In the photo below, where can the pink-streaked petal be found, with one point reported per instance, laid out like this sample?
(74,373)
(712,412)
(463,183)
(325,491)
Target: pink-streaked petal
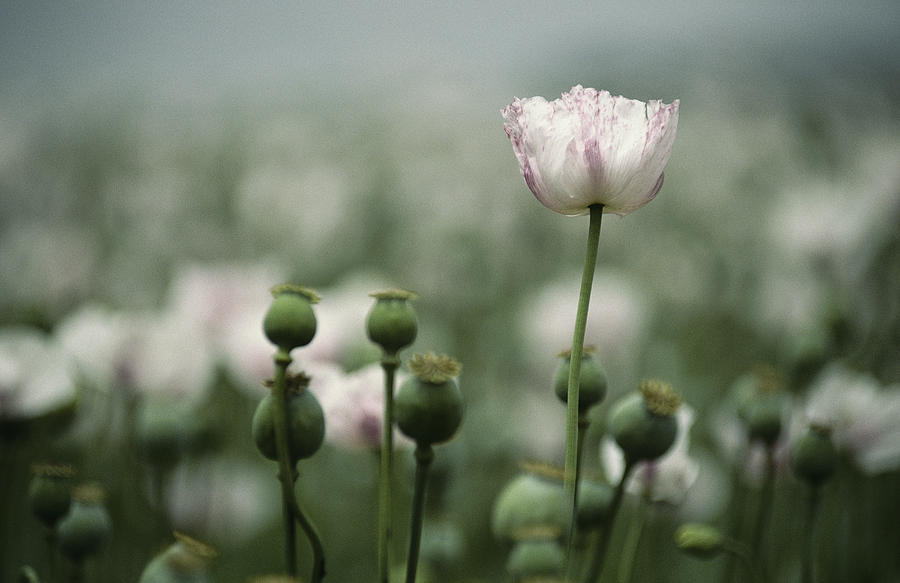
(589,147)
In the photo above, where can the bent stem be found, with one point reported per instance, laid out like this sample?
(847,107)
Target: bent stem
(389,363)
(597,558)
(286,475)
(584,298)
(424,456)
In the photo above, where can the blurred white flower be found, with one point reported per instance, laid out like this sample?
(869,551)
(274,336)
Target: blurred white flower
(353,404)
(666,479)
(616,324)
(97,341)
(228,302)
(589,147)
(33,376)
(862,414)
(227,500)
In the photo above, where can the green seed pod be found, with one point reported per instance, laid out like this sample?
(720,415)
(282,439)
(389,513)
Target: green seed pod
(392,321)
(699,540)
(87,526)
(644,424)
(290,321)
(162,431)
(764,418)
(529,503)
(50,492)
(536,557)
(185,561)
(594,502)
(306,422)
(813,455)
(592,385)
(429,406)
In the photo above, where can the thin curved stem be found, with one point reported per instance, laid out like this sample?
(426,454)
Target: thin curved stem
(389,363)
(291,510)
(424,456)
(597,558)
(584,298)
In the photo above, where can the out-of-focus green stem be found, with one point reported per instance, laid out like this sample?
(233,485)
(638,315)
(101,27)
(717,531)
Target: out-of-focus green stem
(809,552)
(740,550)
(764,509)
(389,363)
(598,558)
(584,298)
(632,540)
(424,456)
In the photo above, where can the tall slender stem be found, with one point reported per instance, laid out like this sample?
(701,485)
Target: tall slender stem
(318,568)
(597,558)
(424,456)
(808,575)
(389,363)
(584,298)
(285,471)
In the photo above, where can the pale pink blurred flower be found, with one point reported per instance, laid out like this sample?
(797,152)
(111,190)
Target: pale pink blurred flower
(616,325)
(589,147)
(353,404)
(667,479)
(98,342)
(225,499)
(33,377)
(862,414)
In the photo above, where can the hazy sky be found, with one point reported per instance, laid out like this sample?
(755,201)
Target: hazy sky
(179,46)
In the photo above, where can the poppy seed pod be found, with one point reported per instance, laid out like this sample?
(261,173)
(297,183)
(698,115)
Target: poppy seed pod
(290,321)
(813,455)
(306,422)
(429,406)
(87,526)
(185,561)
(764,418)
(392,322)
(644,424)
(700,540)
(529,503)
(592,383)
(50,492)
(594,504)
(536,557)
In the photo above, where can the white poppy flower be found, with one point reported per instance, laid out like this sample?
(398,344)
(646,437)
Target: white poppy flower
(589,148)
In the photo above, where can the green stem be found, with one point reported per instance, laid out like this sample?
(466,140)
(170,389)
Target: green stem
(584,298)
(285,471)
(764,509)
(740,551)
(389,363)
(424,456)
(597,558)
(583,424)
(318,568)
(808,575)
(632,540)
(736,517)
